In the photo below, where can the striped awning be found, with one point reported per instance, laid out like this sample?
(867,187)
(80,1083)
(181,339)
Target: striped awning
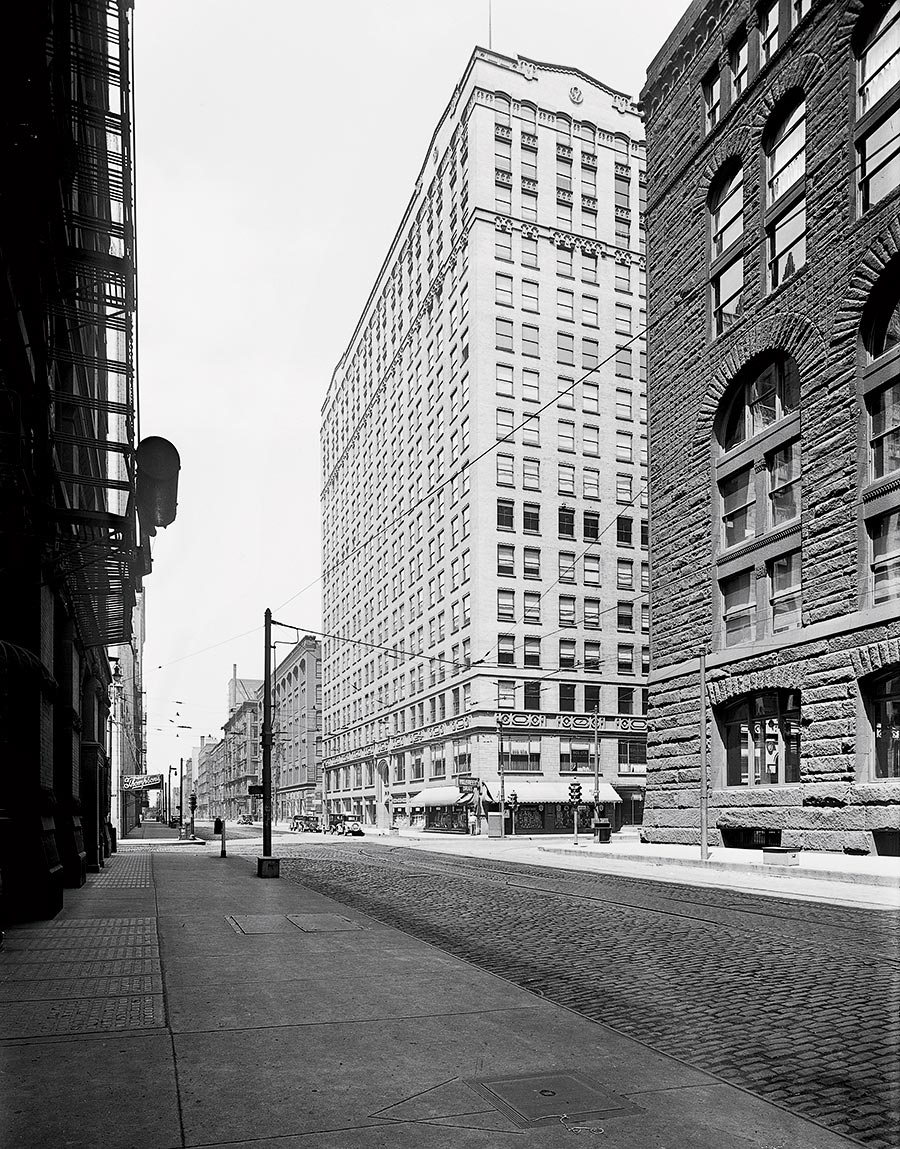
(558,791)
(439,796)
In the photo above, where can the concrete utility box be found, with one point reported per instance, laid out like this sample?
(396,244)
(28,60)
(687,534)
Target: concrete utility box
(268,867)
(780,856)
(495,825)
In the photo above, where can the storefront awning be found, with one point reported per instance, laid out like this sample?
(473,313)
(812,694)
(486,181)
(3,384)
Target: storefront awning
(439,796)
(558,791)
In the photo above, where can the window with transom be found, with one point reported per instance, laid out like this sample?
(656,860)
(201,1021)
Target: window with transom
(877,128)
(761,737)
(726,256)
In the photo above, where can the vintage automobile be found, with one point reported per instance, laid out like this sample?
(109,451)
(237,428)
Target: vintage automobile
(344,824)
(304,824)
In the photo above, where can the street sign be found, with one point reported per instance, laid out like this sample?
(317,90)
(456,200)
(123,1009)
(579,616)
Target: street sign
(254,791)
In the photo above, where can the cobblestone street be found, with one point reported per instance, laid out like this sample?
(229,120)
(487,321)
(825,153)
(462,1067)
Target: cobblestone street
(795,1002)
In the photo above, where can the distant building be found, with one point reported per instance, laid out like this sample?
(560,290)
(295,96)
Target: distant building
(495,574)
(242,760)
(297,728)
(774,238)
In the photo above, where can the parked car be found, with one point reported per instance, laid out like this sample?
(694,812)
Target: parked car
(304,823)
(344,824)
(244,820)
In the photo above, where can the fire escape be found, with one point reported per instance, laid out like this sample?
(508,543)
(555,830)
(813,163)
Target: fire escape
(96,550)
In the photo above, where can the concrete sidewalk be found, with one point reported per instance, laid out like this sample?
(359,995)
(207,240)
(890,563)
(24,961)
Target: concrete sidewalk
(179,1000)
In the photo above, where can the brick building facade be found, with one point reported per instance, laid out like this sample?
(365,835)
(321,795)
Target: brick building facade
(774,355)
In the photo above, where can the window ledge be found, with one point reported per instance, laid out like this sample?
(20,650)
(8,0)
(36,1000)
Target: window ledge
(884,486)
(770,538)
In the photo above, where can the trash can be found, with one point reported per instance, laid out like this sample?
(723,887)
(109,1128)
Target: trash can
(495,824)
(217,826)
(602,830)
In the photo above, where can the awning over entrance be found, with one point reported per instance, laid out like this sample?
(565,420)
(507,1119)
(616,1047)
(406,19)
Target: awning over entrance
(439,796)
(558,791)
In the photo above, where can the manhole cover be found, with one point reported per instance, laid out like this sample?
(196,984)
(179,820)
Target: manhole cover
(543,1098)
(322,923)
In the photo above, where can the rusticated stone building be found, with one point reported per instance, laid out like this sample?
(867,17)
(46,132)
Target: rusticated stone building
(773,137)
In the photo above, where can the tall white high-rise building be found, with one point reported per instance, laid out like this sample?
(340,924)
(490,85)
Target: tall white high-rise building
(484,451)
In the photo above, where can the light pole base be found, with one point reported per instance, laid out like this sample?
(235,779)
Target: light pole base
(268,867)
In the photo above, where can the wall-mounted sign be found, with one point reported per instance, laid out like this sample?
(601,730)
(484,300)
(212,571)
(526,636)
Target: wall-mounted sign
(142,781)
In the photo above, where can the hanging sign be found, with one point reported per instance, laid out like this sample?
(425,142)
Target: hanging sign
(142,781)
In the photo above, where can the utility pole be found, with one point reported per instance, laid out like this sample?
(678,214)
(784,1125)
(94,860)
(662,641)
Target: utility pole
(502,779)
(267,739)
(597,764)
(704,781)
(181,797)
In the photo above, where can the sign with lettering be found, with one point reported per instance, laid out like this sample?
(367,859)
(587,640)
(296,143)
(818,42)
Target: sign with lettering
(142,781)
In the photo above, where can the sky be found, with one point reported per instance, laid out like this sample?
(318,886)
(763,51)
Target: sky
(276,146)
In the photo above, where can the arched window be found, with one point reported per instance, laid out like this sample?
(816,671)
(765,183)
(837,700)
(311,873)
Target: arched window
(877,131)
(501,109)
(784,143)
(726,257)
(881,393)
(758,485)
(761,734)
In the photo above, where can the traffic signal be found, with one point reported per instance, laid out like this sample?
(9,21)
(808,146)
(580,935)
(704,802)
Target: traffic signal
(574,793)
(193,802)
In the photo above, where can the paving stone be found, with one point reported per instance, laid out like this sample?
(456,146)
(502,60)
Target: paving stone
(769,994)
(88,1015)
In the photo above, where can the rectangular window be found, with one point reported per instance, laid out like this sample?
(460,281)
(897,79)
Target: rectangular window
(623,319)
(531,431)
(503,289)
(590,352)
(624,531)
(566,653)
(566,566)
(565,473)
(506,605)
(531,385)
(565,388)
(787,244)
(567,696)
(727,288)
(738,62)
(504,379)
(624,489)
(623,234)
(626,700)
(885,533)
(566,521)
(532,612)
(625,615)
(592,612)
(565,436)
(565,304)
(505,515)
(768,31)
(590,311)
(591,524)
(503,245)
(591,440)
(632,756)
(739,607)
(530,342)
(529,295)
(588,267)
(531,474)
(505,423)
(884,430)
(505,476)
(590,398)
(529,251)
(624,363)
(566,610)
(712,99)
(531,518)
(531,562)
(785,598)
(506,560)
(565,348)
(506,650)
(504,330)
(574,753)
(738,507)
(625,658)
(529,205)
(783,467)
(532,695)
(592,656)
(625,574)
(591,564)
(506,694)
(590,481)
(531,655)
(624,447)
(563,261)
(624,404)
